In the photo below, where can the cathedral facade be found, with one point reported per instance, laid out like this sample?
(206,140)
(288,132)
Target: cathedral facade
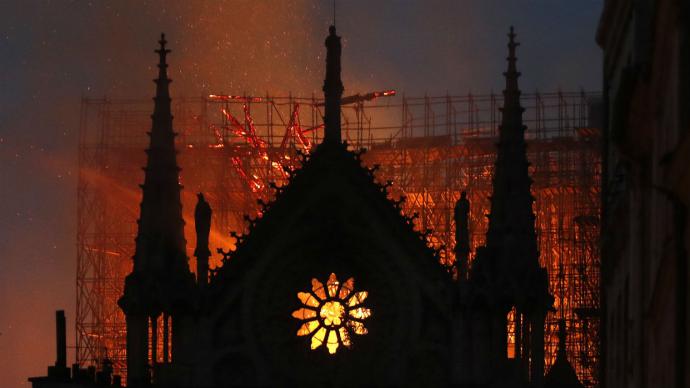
(332,285)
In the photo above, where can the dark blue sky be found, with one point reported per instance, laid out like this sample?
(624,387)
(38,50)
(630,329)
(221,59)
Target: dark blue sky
(54,52)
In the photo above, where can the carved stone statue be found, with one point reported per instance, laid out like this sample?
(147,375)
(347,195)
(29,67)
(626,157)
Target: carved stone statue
(202,223)
(462,240)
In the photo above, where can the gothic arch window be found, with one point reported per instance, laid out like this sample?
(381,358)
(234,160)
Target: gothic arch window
(331,314)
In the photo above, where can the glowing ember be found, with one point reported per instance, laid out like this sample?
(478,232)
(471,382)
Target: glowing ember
(225,97)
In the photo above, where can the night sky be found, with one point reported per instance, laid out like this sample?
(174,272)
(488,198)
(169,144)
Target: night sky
(54,52)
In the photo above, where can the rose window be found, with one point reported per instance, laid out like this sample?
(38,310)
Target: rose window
(330,315)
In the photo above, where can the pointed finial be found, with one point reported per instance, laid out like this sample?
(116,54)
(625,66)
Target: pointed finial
(332,88)
(162,81)
(512,92)
(162,51)
(512,45)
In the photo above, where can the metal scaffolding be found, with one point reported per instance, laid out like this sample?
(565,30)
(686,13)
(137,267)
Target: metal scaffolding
(430,148)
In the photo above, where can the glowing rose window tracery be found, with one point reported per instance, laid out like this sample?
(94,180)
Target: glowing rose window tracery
(331,314)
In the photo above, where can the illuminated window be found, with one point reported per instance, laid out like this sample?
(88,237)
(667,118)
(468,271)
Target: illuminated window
(331,314)
(512,332)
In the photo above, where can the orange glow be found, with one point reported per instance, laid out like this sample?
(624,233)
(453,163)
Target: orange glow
(234,157)
(331,313)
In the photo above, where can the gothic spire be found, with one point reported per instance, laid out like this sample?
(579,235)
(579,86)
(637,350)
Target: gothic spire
(161,242)
(332,88)
(511,223)
(511,240)
(160,282)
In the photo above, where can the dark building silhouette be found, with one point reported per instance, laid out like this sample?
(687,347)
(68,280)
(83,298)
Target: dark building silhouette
(161,284)
(462,236)
(645,194)
(330,225)
(60,376)
(506,275)
(332,285)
